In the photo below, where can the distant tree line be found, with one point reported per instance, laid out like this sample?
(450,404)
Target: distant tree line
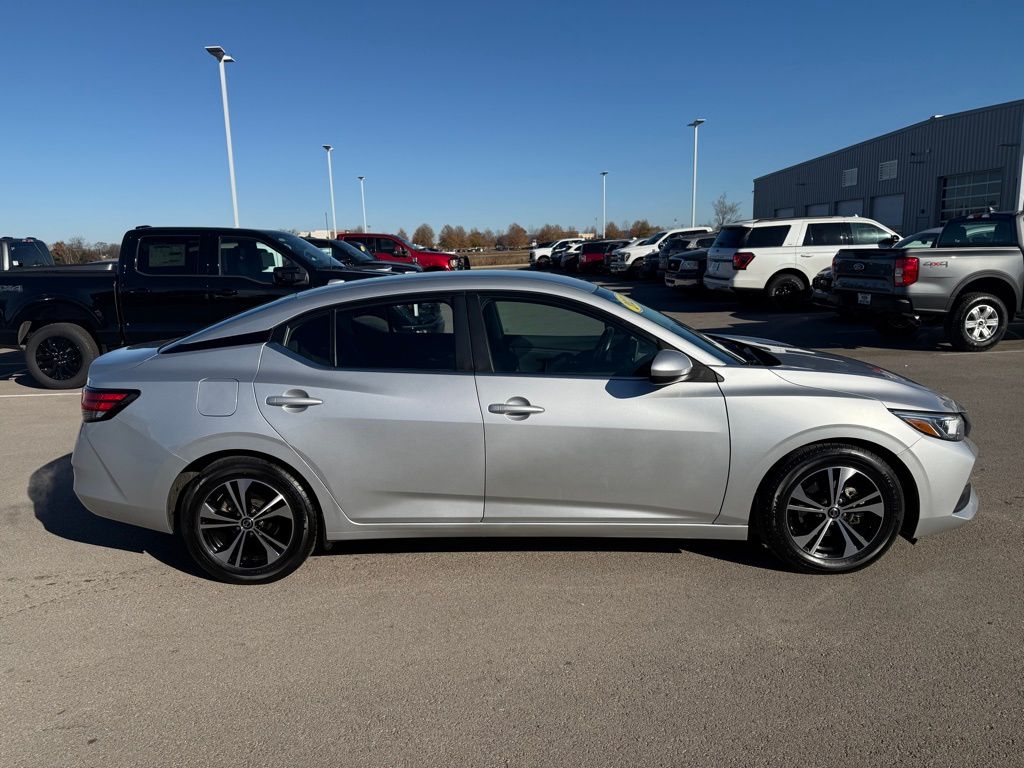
(457,237)
(75,250)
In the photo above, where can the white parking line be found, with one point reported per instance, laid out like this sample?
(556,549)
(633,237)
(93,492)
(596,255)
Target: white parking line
(77,393)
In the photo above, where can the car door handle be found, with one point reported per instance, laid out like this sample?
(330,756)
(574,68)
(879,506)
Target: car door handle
(293,401)
(225,292)
(515,408)
(134,291)
(806,255)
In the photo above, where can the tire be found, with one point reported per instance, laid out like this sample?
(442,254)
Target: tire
(787,291)
(977,322)
(59,355)
(797,520)
(896,326)
(237,531)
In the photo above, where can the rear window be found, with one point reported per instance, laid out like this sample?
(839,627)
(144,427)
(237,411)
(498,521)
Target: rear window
(767,237)
(594,247)
(29,253)
(731,237)
(983,233)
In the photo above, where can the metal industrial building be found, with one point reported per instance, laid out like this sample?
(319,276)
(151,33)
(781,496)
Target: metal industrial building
(911,179)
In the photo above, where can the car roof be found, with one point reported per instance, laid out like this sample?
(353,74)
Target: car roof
(267,316)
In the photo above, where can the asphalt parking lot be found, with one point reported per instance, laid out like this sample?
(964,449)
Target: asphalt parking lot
(115,651)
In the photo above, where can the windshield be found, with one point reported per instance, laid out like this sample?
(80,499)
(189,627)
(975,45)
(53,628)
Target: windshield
(308,251)
(712,347)
(653,239)
(346,252)
(29,253)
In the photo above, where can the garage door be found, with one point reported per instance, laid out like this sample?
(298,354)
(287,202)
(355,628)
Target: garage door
(888,209)
(785,213)
(850,208)
(819,209)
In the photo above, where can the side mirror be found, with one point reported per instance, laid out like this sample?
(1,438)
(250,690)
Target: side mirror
(290,275)
(891,240)
(670,366)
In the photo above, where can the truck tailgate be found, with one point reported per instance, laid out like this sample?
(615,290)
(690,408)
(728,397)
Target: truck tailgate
(868,270)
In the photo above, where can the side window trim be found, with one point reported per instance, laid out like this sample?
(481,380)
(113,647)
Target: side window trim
(481,349)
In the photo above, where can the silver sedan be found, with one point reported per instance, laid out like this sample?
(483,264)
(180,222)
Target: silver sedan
(508,404)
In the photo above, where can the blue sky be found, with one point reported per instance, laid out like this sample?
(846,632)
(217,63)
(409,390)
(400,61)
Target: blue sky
(469,113)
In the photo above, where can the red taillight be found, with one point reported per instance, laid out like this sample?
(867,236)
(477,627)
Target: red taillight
(102,404)
(906,271)
(741,260)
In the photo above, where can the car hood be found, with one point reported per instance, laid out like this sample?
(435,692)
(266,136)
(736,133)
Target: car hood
(821,370)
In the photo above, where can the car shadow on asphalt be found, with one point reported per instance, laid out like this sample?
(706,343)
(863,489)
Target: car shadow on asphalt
(51,491)
(53,498)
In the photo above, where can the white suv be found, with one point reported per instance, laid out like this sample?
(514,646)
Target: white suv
(631,257)
(780,257)
(540,255)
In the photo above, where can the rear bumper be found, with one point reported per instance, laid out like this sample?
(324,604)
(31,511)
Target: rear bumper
(880,303)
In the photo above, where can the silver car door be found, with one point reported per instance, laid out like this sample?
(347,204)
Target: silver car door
(574,429)
(380,401)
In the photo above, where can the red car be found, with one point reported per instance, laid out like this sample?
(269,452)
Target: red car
(593,252)
(394,248)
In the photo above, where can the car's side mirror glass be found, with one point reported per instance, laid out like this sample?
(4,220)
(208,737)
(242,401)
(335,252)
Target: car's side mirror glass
(670,366)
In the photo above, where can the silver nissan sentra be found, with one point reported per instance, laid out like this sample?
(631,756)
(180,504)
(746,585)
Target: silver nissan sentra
(508,404)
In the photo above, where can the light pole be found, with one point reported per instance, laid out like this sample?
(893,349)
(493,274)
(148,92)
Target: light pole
(330,183)
(222,58)
(693,202)
(604,203)
(362,196)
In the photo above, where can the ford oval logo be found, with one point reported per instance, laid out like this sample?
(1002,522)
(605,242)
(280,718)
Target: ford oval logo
(858,267)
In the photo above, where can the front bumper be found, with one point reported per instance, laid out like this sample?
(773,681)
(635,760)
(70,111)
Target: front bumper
(942,473)
(683,279)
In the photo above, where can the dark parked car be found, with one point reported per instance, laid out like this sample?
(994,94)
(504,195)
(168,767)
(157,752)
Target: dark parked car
(169,282)
(23,253)
(686,269)
(357,258)
(656,264)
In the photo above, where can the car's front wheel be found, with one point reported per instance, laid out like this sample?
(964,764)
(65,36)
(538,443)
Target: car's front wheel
(830,508)
(247,521)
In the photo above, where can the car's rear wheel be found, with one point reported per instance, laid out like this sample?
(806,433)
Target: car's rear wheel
(977,323)
(787,291)
(247,521)
(58,355)
(830,508)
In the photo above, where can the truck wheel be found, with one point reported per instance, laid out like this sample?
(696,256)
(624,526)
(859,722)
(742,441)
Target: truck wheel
(787,291)
(896,326)
(58,355)
(977,322)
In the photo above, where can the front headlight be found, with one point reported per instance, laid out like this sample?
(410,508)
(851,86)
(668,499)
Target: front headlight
(945,426)
(453,262)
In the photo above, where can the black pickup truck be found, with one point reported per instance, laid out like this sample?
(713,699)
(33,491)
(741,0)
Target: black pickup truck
(168,282)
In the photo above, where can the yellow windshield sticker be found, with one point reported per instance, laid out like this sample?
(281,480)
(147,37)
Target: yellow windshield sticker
(628,303)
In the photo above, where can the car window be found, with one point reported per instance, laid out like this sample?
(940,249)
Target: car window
(767,237)
(248,257)
(868,234)
(29,253)
(310,338)
(987,233)
(732,237)
(707,242)
(535,338)
(385,245)
(406,336)
(826,233)
(172,255)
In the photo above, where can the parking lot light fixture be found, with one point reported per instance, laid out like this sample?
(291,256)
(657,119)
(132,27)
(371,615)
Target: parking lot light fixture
(604,203)
(362,196)
(693,199)
(330,182)
(223,58)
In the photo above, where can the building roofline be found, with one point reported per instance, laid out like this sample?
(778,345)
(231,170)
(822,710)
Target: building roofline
(932,119)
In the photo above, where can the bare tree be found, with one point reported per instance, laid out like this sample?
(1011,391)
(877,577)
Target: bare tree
(723,212)
(402,234)
(424,235)
(516,237)
(642,228)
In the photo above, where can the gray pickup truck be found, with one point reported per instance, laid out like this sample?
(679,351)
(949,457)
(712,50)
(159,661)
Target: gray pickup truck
(972,280)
